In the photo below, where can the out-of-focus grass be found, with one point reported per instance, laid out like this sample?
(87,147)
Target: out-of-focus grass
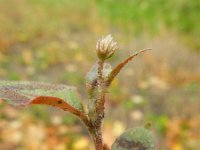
(54,41)
(154,16)
(31,18)
(182,15)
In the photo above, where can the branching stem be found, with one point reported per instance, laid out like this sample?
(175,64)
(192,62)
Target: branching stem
(98,87)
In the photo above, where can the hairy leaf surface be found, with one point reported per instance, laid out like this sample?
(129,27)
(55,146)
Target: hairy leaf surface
(26,93)
(138,138)
(93,73)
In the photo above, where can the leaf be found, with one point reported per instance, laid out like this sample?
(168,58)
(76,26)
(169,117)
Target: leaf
(26,93)
(135,138)
(121,65)
(93,73)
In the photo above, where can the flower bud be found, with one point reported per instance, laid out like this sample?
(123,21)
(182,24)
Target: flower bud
(106,47)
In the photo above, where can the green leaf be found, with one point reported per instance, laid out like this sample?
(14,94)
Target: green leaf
(26,93)
(135,138)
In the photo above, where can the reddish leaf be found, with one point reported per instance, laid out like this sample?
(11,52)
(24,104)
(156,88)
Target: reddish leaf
(121,65)
(55,102)
(26,93)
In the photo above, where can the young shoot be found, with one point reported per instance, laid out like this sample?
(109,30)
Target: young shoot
(98,80)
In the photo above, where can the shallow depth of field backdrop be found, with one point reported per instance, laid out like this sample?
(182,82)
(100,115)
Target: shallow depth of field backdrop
(54,41)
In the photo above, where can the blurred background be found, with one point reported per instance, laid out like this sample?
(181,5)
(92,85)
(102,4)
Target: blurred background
(54,41)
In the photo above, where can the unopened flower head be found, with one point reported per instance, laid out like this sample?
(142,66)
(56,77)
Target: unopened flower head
(106,47)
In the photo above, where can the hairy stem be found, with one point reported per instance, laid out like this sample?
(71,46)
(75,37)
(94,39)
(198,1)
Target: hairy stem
(95,117)
(100,72)
(101,91)
(99,108)
(96,130)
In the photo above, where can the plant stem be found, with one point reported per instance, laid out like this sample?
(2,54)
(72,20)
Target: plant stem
(98,139)
(101,92)
(94,122)
(100,72)
(96,130)
(99,108)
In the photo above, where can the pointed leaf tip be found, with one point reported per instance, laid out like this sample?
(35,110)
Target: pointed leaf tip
(121,65)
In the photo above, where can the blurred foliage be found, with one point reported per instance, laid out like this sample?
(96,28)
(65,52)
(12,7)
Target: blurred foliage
(54,41)
(180,14)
